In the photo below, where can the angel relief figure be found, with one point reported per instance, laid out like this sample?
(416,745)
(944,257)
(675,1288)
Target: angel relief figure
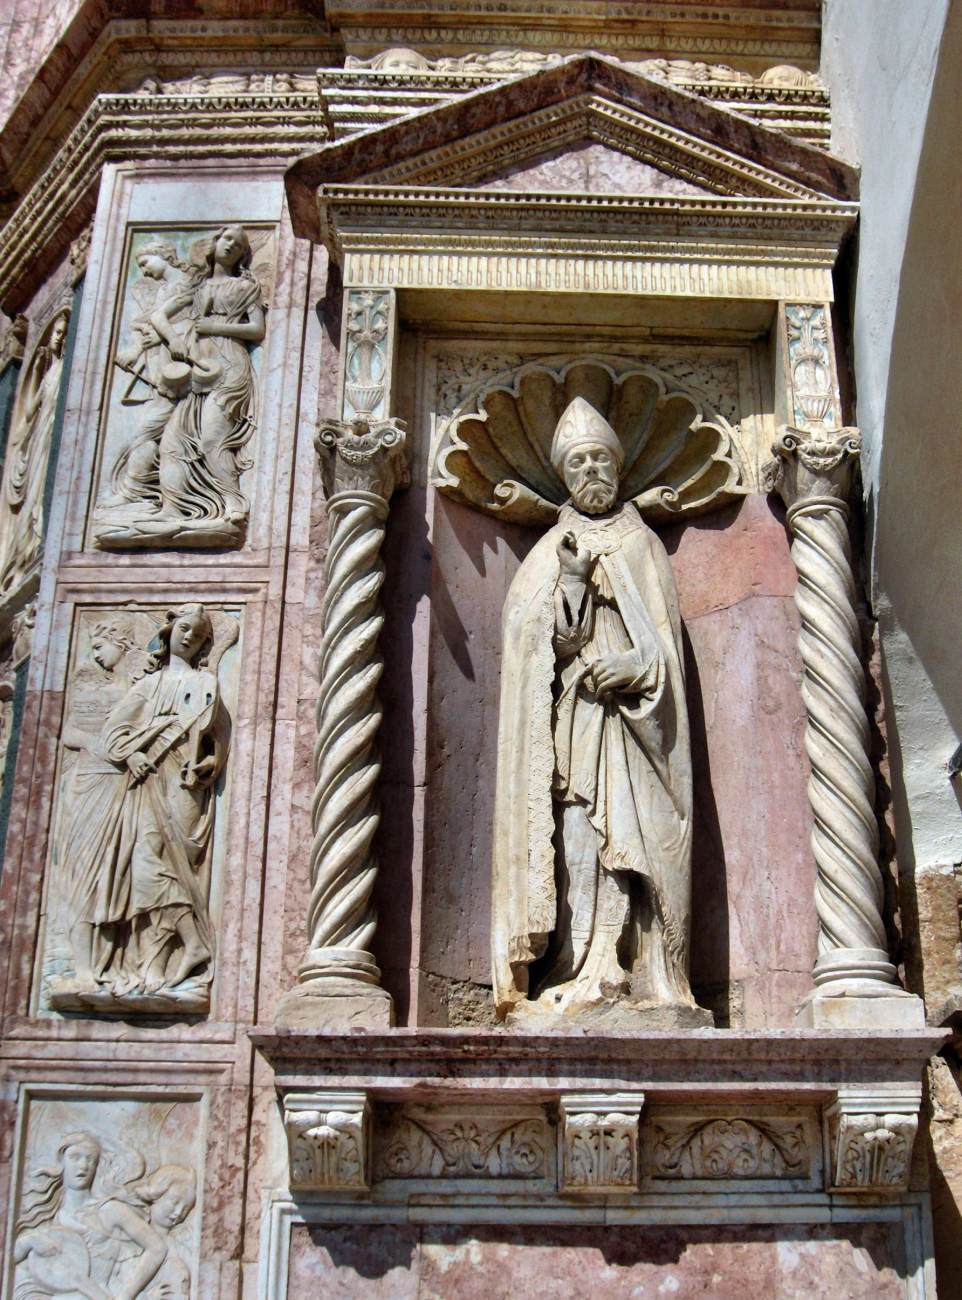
(92,1225)
(177,480)
(28,453)
(135,837)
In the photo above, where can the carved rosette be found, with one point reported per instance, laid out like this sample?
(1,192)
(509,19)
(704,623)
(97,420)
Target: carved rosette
(328,1138)
(598,1142)
(362,463)
(870,1141)
(813,473)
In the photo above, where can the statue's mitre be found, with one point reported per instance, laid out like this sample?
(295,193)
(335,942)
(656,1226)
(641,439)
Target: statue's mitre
(582,423)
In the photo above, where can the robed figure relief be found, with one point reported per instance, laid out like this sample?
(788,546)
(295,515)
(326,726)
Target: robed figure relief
(135,836)
(189,376)
(28,455)
(592,870)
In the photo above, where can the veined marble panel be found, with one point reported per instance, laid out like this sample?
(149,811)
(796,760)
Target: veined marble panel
(132,892)
(106,1195)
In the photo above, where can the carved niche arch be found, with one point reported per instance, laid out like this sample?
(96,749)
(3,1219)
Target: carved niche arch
(681,455)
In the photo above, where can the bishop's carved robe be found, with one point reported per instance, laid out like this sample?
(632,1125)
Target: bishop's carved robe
(625,757)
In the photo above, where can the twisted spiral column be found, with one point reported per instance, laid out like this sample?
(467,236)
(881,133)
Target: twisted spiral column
(813,473)
(339,982)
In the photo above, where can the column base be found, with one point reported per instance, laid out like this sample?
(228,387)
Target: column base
(307,1006)
(857,988)
(338,988)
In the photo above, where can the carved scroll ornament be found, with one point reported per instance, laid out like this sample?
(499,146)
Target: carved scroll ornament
(680,456)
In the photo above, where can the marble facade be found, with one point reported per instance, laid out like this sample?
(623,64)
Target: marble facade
(280,425)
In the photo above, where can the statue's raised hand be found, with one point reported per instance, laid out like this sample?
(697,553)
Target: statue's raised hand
(576,561)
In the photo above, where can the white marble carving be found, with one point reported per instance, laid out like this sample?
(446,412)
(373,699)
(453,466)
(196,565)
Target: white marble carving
(679,455)
(329,1141)
(813,474)
(28,454)
(147,737)
(368,343)
(104,1210)
(339,981)
(814,397)
(592,842)
(735,1148)
(870,1139)
(184,404)
(598,1142)
(439,1142)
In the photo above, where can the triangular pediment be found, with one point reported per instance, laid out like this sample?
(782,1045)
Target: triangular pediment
(589,167)
(482,138)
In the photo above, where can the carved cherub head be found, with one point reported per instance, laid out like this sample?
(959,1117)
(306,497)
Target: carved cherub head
(171,1192)
(588,455)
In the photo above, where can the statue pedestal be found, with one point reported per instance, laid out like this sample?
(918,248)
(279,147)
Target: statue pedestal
(319,1006)
(604,1017)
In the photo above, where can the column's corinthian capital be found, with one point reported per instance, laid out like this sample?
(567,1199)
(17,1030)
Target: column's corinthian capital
(813,469)
(360,455)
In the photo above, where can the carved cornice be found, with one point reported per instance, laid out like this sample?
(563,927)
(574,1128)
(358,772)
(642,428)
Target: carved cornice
(703,30)
(135,127)
(589,117)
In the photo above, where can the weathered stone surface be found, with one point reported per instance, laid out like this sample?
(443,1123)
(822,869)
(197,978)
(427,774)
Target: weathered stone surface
(859,1261)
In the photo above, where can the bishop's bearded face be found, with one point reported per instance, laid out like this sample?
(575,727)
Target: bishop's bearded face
(591,476)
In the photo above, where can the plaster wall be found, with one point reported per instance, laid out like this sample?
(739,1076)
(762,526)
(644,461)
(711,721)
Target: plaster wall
(896,88)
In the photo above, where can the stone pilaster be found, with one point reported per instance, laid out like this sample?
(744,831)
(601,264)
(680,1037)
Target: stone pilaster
(813,472)
(339,982)
(598,1142)
(869,1135)
(328,1138)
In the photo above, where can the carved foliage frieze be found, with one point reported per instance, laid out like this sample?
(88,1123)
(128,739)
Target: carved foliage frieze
(368,344)
(728,1148)
(182,413)
(106,1197)
(485,1142)
(139,818)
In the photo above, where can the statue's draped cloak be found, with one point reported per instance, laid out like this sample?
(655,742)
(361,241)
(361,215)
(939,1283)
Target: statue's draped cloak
(654,729)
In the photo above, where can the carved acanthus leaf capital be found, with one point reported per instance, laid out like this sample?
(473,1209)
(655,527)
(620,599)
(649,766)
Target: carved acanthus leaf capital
(598,1140)
(813,468)
(328,1138)
(870,1141)
(362,456)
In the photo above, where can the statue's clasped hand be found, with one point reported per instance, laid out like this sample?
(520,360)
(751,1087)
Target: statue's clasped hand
(576,561)
(140,766)
(201,773)
(614,672)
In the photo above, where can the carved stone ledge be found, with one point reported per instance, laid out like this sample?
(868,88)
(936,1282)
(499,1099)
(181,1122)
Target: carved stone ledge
(869,1138)
(328,1138)
(598,1142)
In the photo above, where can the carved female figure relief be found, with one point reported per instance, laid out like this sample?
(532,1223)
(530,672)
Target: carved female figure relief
(25,472)
(135,841)
(177,483)
(102,1235)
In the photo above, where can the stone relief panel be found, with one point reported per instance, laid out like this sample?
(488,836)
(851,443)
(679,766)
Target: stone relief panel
(725,1148)
(106,1199)
(28,454)
(435,1142)
(182,403)
(139,828)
